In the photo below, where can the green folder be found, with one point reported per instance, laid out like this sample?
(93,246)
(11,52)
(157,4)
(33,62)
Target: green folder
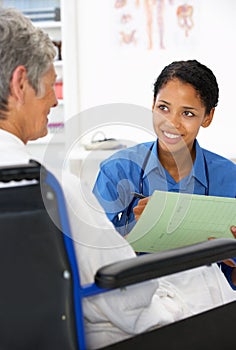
(172,220)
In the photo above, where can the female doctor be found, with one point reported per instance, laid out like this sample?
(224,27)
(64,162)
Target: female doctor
(185,96)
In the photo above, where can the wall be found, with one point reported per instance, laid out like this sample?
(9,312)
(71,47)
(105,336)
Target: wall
(112,72)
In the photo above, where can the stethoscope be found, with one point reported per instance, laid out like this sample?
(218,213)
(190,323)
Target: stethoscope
(141,180)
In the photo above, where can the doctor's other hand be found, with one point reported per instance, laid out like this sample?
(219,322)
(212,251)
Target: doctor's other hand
(231,262)
(233,274)
(141,206)
(233,230)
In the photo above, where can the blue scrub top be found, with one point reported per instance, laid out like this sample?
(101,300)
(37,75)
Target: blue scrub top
(121,174)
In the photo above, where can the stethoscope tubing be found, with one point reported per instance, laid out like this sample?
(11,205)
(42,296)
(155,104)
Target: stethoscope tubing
(141,178)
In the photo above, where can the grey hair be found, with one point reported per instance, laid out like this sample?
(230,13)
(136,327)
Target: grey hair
(22,44)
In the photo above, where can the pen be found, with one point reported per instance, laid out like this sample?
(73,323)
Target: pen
(138,195)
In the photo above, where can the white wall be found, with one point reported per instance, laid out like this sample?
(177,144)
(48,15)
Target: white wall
(114,73)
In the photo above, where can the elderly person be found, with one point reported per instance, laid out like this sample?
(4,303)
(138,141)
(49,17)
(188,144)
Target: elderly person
(27,78)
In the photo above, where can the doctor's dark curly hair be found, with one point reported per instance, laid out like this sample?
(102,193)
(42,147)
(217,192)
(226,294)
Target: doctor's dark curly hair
(194,73)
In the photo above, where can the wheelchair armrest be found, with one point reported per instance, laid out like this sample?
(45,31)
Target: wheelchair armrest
(18,172)
(148,266)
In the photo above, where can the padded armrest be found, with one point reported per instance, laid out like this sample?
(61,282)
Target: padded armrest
(30,171)
(148,266)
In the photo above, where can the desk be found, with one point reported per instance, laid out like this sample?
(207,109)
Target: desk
(85,164)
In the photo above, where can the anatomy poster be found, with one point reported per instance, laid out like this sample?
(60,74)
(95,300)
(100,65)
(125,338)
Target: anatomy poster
(124,45)
(154,24)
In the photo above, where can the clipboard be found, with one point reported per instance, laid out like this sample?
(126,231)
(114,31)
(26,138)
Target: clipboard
(171,220)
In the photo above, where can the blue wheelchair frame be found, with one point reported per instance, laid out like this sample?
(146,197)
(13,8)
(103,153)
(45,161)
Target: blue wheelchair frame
(80,291)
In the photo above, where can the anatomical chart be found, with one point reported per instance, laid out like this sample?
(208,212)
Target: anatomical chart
(147,21)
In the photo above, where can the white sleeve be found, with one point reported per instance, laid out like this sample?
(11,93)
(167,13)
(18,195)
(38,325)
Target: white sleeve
(121,313)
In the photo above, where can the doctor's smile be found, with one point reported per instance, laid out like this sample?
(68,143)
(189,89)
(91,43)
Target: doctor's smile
(171,137)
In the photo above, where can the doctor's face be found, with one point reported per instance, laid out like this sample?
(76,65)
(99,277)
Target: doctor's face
(178,114)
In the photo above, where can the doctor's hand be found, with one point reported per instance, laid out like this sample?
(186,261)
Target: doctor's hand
(231,262)
(233,230)
(141,206)
(233,274)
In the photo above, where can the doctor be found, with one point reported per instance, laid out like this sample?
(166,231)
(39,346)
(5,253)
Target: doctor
(27,78)
(185,96)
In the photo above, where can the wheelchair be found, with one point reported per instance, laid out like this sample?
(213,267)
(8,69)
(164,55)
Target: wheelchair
(41,297)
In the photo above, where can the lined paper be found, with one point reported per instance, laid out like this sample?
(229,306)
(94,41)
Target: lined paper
(172,220)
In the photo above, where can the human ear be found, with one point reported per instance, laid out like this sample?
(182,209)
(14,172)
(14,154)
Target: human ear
(18,81)
(208,118)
